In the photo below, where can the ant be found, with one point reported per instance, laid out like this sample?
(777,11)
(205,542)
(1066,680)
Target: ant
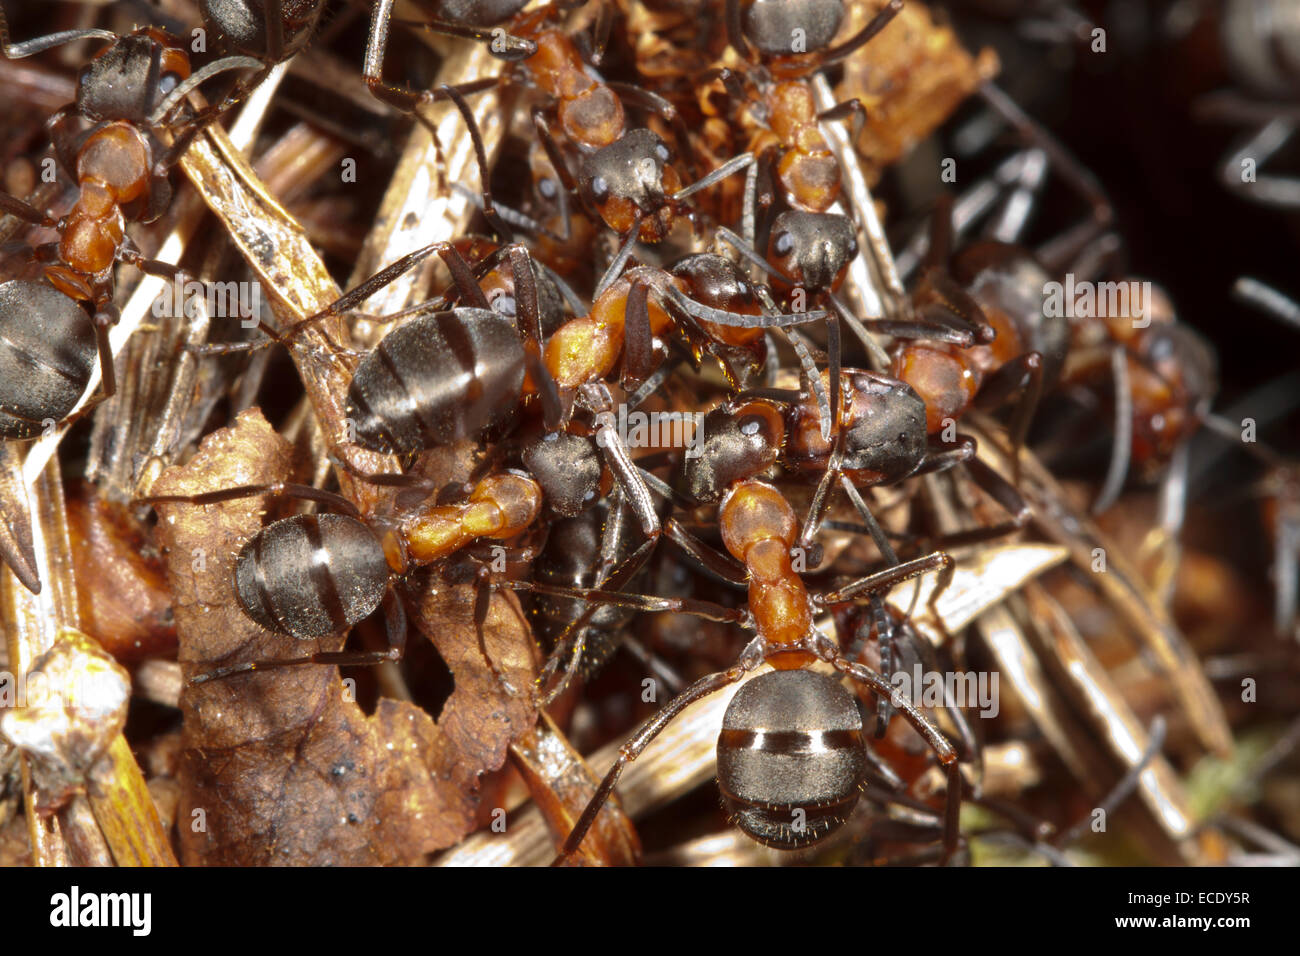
(794,718)
(130,94)
(996,289)
(312,576)
(626,177)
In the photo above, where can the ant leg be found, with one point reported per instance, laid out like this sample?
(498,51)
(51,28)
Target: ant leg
(106,316)
(939,251)
(713,562)
(620,462)
(937,327)
(480,155)
(13,206)
(884,580)
(1084,182)
(1122,440)
(1123,788)
(941,457)
(863,36)
(883,622)
(402,97)
(620,260)
(282,488)
(1022,377)
(638,341)
(729,168)
(735,35)
(463,277)
(387,479)
(847,109)
(273,14)
(1266,189)
(17,549)
(502,45)
(940,744)
(869,520)
(962,304)
(482,600)
(394,628)
(1007,497)
(641,739)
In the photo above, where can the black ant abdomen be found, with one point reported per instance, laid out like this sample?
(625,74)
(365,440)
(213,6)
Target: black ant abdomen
(311,576)
(791,757)
(437,379)
(49,356)
(241,25)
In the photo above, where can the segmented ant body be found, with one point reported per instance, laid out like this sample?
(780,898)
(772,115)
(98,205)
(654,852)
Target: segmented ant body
(312,576)
(625,175)
(129,96)
(791,756)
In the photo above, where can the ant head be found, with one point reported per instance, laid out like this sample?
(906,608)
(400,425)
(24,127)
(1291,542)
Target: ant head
(740,441)
(791,758)
(127,79)
(884,427)
(241,24)
(717,282)
(786,27)
(631,176)
(813,249)
(1007,282)
(569,469)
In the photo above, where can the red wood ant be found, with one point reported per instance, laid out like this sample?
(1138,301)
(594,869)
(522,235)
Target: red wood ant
(626,175)
(311,576)
(792,714)
(130,93)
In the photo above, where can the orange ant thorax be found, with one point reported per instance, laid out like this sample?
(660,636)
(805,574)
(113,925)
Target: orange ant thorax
(500,506)
(758,528)
(590,113)
(808,170)
(587,349)
(113,169)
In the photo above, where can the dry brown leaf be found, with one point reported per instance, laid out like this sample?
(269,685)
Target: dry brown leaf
(483,716)
(562,785)
(280,766)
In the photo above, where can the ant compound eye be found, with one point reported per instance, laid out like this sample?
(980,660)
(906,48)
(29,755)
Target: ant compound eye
(852,247)
(784,244)
(662,152)
(599,189)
